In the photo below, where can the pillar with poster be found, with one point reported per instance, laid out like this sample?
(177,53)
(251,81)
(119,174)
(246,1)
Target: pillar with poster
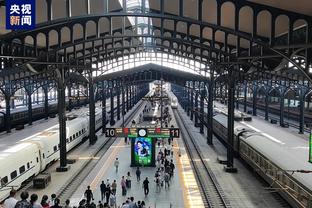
(143,152)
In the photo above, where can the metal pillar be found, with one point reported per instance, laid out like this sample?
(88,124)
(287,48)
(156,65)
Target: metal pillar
(282,109)
(196,109)
(202,111)
(161,103)
(118,102)
(237,98)
(46,103)
(103,108)
(231,99)
(92,136)
(188,99)
(7,114)
(123,105)
(254,102)
(62,121)
(69,97)
(210,109)
(127,98)
(30,118)
(192,101)
(112,121)
(266,110)
(245,97)
(301,115)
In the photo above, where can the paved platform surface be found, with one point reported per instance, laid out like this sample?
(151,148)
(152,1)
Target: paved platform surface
(243,189)
(183,191)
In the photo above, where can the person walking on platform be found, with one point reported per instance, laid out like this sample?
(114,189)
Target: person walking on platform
(112,201)
(51,202)
(56,203)
(67,204)
(11,201)
(138,174)
(89,195)
(145,186)
(103,189)
(44,201)
(108,193)
(172,167)
(123,186)
(167,178)
(114,187)
(116,164)
(128,180)
(33,201)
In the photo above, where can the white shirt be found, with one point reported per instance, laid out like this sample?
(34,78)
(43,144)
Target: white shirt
(10,202)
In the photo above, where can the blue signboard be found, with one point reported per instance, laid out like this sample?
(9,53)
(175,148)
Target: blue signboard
(20,14)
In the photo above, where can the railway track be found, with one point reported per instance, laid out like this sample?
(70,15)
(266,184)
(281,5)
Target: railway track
(68,189)
(213,195)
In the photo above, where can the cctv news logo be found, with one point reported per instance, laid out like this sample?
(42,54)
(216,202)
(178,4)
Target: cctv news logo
(20,14)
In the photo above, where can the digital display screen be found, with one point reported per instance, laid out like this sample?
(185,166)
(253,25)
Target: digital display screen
(142,151)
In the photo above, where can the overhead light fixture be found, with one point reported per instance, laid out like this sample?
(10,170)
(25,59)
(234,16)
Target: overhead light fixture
(31,68)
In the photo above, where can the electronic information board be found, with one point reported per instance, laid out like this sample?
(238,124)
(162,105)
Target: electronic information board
(143,132)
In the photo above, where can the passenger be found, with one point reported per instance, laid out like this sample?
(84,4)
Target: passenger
(157,181)
(139,204)
(107,182)
(67,204)
(44,201)
(23,203)
(56,203)
(143,204)
(167,178)
(128,180)
(138,174)
(172,167)
(33,201)
(89,195)
(108,193)
(114,187)
(116,164)
(112,201)
(103,189)
(106,205)
(145,186)
(100,205)
(92,205)
(11,201)
(123,186)
(132,203)
(51,202)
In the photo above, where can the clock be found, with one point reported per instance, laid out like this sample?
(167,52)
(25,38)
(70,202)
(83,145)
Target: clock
(142,132)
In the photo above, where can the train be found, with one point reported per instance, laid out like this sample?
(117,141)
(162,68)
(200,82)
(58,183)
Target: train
(174,103)
(272,161)
(34,154)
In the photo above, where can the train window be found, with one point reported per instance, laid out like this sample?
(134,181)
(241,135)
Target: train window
(22,169)
(67,140)
(55,148)
(76,134)
(13,174)
(28,166)
(37,159)
(43,155)
(71,138)
(4,180)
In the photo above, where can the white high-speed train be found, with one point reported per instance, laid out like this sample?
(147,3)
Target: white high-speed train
(32,155)
(273,161)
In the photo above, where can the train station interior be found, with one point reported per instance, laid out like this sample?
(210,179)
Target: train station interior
(155,103)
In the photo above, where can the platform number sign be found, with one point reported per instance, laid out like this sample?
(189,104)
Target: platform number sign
(174,132)
(20,14)
(110,132)
(310,147)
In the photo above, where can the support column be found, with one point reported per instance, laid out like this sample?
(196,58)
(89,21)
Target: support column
(301,114)
(127,98)
(188,99)
(266,110)
(196,109)
(202,111)
(130,97)
(210,109)
(46,102)
(245,97)
(30,118)
(69,98)
(118,101)
(254,101)
(123,105)
(237,98)
(92,136)
(62,121)
(112,121)
(103,108)
(282,109)
(7,113)
(192,101)
(78,95)
(231,99)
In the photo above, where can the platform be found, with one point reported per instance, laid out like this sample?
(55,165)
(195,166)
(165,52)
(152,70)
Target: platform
(183,190)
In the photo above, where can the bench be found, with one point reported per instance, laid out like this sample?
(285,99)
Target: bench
(19,127)
(273,121)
